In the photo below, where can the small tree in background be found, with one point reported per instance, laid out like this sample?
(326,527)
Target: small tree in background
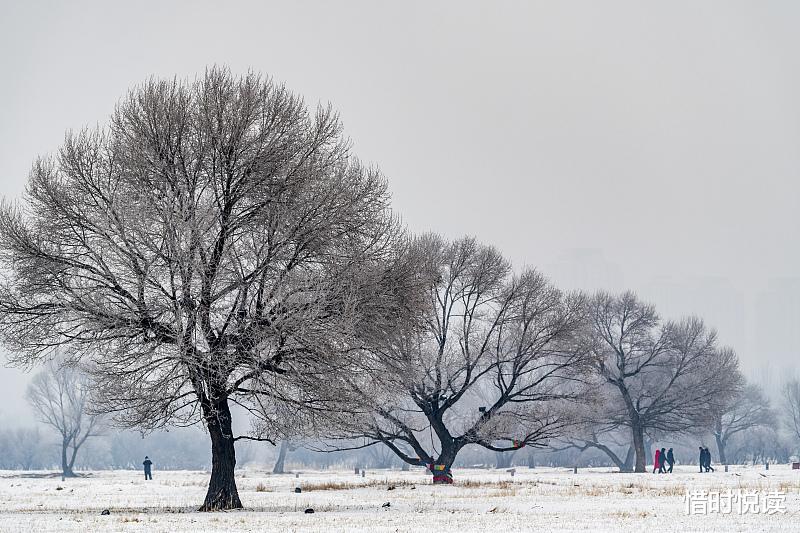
(594,433)
(747,409)
(24,448)
(59,395)
(791,408)
(280,461)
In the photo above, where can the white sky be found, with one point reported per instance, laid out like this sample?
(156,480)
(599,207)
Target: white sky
(643,145)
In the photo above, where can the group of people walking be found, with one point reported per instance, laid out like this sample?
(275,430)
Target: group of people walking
(705,460)
(663,458)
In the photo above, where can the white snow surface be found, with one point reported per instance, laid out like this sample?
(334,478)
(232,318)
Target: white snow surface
(540,499)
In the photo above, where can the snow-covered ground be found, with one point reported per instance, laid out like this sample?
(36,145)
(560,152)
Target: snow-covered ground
(481,500)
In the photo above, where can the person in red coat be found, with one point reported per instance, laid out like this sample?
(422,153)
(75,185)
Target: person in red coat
(657,462)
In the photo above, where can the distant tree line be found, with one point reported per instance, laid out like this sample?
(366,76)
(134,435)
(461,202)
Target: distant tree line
(32,448)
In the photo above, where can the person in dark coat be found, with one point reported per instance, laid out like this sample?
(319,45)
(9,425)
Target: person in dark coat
(670,460)
(657,460)
(148,473)
(702,460)
(663,457)
(708,461)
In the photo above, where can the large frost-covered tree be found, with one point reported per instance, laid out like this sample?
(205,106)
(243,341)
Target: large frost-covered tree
(655,377)
(496,362)
(216,241)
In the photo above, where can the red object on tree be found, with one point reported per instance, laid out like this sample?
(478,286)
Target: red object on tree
(443,478)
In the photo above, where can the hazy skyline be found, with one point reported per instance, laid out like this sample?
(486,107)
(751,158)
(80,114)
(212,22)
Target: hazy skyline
(618,145)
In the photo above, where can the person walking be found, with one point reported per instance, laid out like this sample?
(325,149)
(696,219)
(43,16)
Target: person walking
(656,461)
(702,460)
(670,460)
(708,461)
(663,457)
(148,473)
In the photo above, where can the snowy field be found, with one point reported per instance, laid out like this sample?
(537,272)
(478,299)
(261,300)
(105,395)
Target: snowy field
(481,500)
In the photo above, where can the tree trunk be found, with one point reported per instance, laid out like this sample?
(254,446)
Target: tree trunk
(222,493)
(278,468)
(638,445)
(628,465)
(636,429)
(623,466)
(443,476)
(721,449)
(648,450)
(75,445)
(66,467)
(441,468)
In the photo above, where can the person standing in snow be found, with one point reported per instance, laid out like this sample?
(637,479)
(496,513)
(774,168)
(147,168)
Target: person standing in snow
(657,460)
(663,458)
(702,460)
(670,460)
(148,473)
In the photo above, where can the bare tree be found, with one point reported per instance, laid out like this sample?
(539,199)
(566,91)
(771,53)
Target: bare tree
(59,396)
(747,409)
(25,448)
(214,242)
(495,362)
(595,433)
(758,445)
(658,378)
(283,450)
(791,407)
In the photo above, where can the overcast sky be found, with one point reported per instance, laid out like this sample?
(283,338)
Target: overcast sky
(642,145)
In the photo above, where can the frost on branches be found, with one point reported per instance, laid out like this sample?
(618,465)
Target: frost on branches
(214,240)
